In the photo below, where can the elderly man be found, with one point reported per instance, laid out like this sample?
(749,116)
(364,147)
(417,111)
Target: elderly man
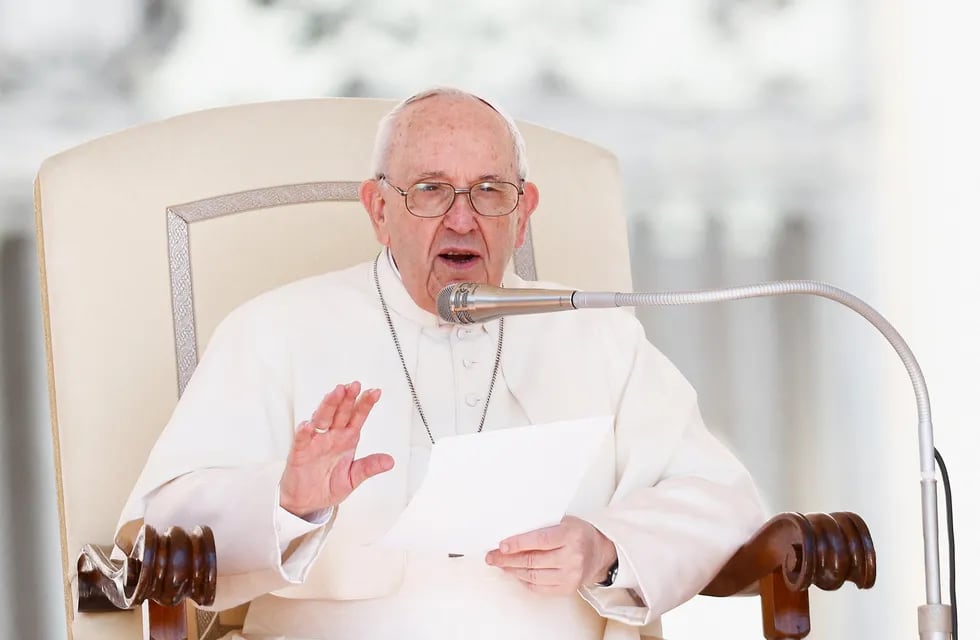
(294,482)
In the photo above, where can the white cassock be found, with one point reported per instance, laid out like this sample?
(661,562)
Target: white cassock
(674,501)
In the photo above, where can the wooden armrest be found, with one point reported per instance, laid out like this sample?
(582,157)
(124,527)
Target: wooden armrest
(791,553)
(825,550)
(164,568)
(788,555)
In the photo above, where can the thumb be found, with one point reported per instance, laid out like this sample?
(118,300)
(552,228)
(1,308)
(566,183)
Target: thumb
(368,466)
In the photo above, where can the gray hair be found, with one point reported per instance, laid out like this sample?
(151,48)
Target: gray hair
(382,143)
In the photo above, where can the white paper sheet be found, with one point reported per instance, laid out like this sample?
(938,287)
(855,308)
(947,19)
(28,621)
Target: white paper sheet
(483,487)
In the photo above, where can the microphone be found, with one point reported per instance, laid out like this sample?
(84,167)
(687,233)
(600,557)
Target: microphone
(470,302)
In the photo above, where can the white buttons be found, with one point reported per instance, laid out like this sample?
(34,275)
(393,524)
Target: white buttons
(469,364)
(463,333)
(472,399)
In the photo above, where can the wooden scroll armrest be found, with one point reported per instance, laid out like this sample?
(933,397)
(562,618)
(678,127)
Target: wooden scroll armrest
(791,553)
(163,568)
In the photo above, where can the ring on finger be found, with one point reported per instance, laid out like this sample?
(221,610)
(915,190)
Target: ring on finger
(319,430)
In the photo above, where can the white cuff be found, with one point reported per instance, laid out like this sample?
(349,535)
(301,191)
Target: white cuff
(622,600)
(290,526)
(622,605)
(625,575)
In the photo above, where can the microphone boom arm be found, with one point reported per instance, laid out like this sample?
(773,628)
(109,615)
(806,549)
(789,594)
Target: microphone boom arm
(935,620)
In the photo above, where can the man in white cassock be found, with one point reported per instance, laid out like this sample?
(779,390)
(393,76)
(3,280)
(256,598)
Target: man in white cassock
(294,483)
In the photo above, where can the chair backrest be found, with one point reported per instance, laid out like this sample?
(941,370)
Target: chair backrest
(148,237)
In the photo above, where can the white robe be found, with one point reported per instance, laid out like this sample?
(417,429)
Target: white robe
(674,501)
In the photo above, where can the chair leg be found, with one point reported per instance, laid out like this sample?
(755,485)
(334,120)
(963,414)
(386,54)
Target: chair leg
(167,623)
(785,613)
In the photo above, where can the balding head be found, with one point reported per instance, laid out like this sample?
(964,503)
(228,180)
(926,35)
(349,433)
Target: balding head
(391,123)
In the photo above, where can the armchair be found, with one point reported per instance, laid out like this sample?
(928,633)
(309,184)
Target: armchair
(148,237)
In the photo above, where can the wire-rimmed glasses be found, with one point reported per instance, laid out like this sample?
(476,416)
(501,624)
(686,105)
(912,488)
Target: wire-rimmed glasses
(490,198)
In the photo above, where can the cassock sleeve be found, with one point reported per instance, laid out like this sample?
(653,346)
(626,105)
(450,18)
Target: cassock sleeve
(256,554)
(219,460)
(673,532)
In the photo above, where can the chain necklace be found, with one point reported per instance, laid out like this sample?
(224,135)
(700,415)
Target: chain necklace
(408,377)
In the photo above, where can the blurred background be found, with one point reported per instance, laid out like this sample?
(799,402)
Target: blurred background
(758,140)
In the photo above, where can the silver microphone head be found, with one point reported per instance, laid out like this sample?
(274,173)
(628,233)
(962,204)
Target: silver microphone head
(451,302)
(471,302)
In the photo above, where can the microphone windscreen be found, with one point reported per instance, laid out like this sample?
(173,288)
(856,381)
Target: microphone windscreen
(444,303)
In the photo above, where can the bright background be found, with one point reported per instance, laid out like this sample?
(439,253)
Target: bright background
(759,140)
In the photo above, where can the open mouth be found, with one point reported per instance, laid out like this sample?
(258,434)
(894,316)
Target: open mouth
(459,258)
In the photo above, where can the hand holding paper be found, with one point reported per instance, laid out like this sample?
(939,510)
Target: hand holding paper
(482,488)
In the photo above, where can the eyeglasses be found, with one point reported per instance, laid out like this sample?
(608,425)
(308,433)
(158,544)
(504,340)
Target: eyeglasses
(433,199)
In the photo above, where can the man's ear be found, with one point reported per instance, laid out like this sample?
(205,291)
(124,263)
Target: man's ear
(374,204)
(527,205)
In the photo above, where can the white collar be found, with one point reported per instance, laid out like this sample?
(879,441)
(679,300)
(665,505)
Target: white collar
(399,300)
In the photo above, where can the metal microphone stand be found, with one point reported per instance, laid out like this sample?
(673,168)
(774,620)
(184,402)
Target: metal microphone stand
(935,618)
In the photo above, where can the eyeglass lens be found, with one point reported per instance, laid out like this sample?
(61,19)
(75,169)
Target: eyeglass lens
(430,199)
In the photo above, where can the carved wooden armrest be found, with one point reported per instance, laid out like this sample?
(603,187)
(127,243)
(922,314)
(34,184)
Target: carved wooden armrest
(791,553)
(164,568)
(788,555)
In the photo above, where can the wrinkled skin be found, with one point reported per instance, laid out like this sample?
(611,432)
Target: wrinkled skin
(460,142)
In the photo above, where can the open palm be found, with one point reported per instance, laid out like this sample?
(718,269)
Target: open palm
(321,470)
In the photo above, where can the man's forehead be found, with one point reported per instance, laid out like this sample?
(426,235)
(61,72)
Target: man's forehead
(450,126)
(451,113)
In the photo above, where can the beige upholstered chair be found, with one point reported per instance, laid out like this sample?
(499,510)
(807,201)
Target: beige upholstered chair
(148,237)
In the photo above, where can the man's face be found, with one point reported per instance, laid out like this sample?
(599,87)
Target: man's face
(462,142)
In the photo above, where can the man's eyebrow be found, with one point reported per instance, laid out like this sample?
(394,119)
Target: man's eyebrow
(428,175)
(444,177)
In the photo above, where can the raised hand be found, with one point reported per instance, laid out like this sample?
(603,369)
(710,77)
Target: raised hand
(556,560)
(321,470)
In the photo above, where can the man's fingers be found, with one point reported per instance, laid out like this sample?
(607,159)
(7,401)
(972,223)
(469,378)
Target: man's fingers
(346,407)
(304,434)
(303,441)
(368,466)
(538,540)
(325,411)
(526,559)
(363,407)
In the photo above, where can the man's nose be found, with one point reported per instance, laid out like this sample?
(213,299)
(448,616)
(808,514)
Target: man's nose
(461,217)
